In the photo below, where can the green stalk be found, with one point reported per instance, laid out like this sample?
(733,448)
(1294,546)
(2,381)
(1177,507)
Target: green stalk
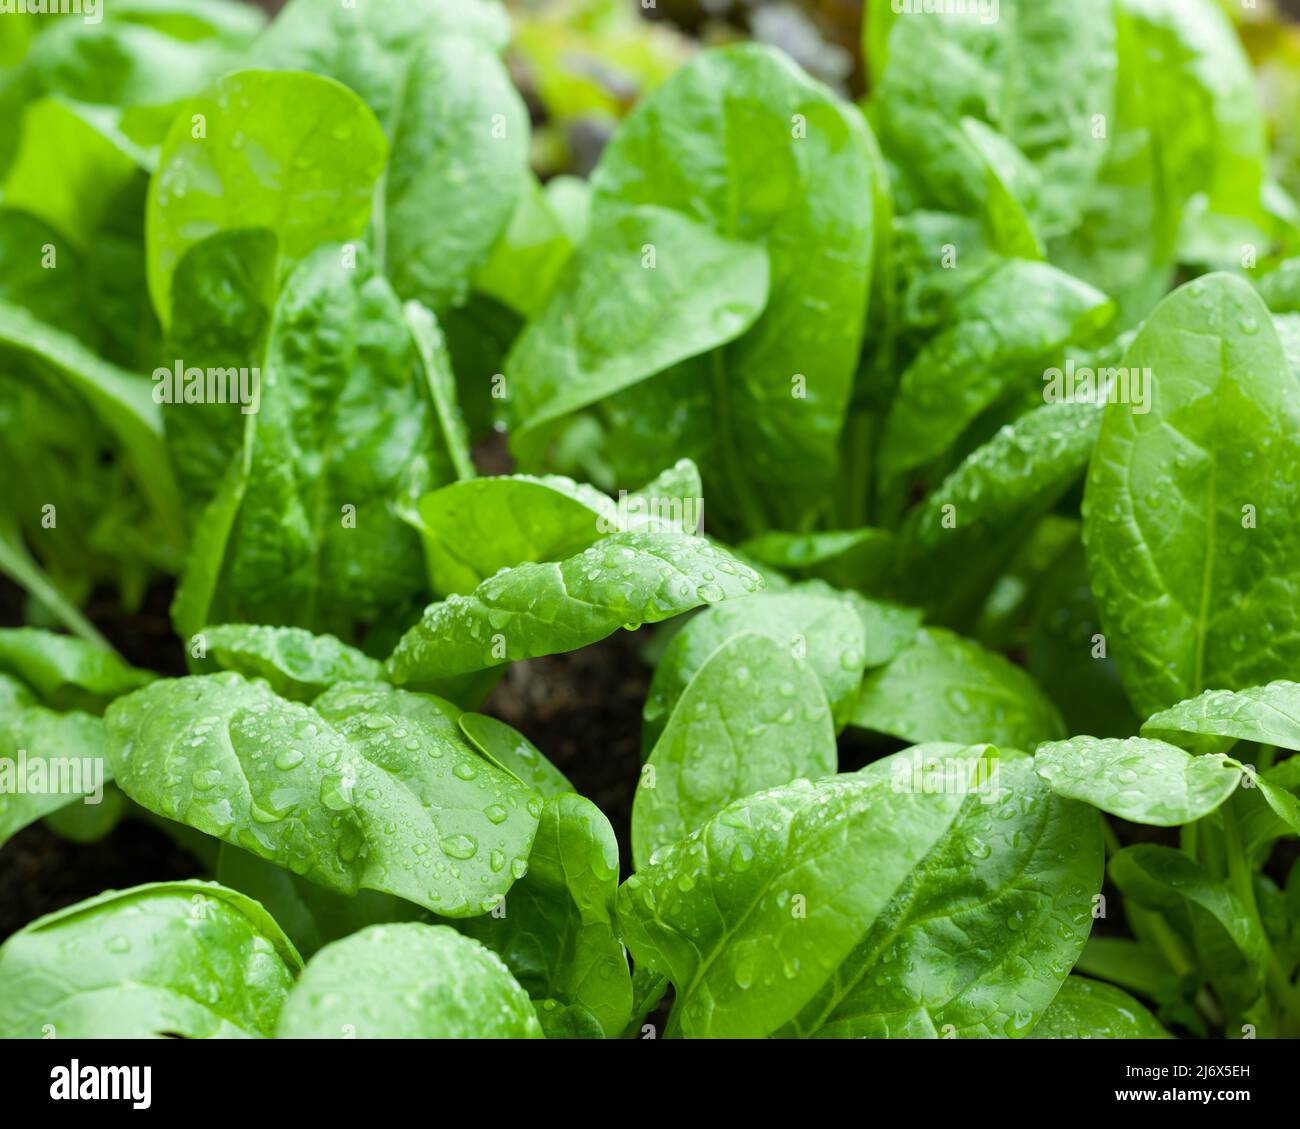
(751,512)
(1241,879)
(17,564)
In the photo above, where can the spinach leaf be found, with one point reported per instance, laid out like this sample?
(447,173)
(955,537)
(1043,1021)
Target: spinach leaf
(624,580)
(304,532)
(787,173)
(1162,879)
(72,425)
(67,673)
(295,663)
(372,788)
(946,688)
(1012,322)
(1088,1009)
(941,68)
(1185,547)
(846,558)
(406,981)
(457,130)
(1216,720)
(509,749)
(556,929)
(820,629)
(751,717)
(188,959)
(819,909)
(962,537)
(699,291)
(267,157)
(1137,779)
(445,828)
(472,529)
(48,761)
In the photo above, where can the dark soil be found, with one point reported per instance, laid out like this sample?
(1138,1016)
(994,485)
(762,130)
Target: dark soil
(40,872)
(583,710)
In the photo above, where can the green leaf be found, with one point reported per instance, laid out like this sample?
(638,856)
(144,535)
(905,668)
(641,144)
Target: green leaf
(119,401)
(819,628)
(557,934)
(223,296)
(143,57)
(863,905)
(295,663)
(702,291)
(409,981)
(473,529)
(1008,326)
(946,688)
(372,788)
(848,558)
(507,748)
(1161,878)
(1137,779)
(1285,804)
(751,717)
(740,143)
(345,428)
(1088,1009)
(66,172)
(962,537)
(446,828)
(1133,965)
(525,262)
(48,761)
(435,361)
(542,609)
(1216,720)
(1208,129)
(297,154)
(188,959)
(942,68)
(1012,188)
(84,823)
(457,130)
(1188,548)
(207,752)
(65,672)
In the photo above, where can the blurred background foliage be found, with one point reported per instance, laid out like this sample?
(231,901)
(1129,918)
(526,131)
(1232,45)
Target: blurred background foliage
(583,64)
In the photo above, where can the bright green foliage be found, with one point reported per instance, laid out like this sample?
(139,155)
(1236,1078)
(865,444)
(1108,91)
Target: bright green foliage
(407,981)
(188,959)
(1189,547)
(400,344)
(624,580)
(875,865)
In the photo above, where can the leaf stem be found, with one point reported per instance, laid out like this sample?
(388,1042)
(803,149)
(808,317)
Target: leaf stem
(1241,879)
(752,517)
(18,565)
